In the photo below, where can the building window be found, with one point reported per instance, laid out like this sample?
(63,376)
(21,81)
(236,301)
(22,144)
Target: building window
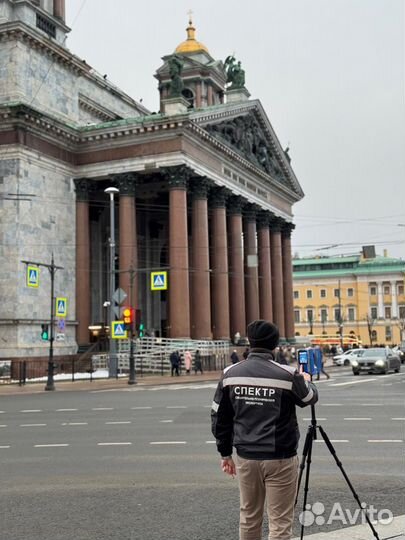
(374,335)
(350,292)
(373,291)
(387,289)
(297,316)
(400,289)
(296,294)
(387,312)
(401,310)
(189,96)
(388,334)
(336,293)
(310,315)
(309,293)
(324,315)
(323,293)
(337,314)
(351,314)
(373,313)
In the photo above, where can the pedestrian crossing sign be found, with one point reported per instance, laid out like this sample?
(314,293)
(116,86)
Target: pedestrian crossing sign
(158,281)
(118,330)
(33,276)
(61,307)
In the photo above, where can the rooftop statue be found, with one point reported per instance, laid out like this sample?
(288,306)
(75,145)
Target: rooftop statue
(235,74)
(175,68)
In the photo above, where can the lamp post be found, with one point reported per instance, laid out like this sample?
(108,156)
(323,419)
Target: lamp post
(112,368)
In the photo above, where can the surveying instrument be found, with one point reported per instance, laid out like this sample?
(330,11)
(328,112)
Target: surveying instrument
(310,361)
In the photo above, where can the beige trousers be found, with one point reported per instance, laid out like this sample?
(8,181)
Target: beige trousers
(273,481)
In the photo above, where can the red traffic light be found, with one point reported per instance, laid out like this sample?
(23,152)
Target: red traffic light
(128,315)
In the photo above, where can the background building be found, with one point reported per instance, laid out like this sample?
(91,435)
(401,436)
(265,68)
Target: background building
(360,295)
(205,192)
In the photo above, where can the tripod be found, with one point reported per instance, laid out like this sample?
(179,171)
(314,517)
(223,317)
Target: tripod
(306,459)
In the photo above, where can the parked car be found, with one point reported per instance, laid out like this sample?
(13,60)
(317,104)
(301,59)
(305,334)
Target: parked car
(376,360)
(399,352)
(345,358)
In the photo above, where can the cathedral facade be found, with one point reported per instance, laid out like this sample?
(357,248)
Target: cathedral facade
(205,192)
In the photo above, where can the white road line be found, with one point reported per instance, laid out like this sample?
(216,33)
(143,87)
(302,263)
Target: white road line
(5,446)
(119,422)
(139,408)
(32,425)
(331,404)
(397,418)
(2,412)
(333,440)
(30,410)
(103,409)
(114,444)
(177,407)
(357,418)
(3,425)
(75,424)
(65,410)
(168,442)
(372,405)
(165,421)
(210,442)
(353,382)
(387,384)
(385,440)
(49,445)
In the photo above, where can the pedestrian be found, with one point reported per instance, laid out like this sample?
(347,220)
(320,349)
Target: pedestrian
(245,353)
(254,411)
(320,363)
(197,362)
(187,361)
(280,356)
(175,361)
(236,338)
(234,357)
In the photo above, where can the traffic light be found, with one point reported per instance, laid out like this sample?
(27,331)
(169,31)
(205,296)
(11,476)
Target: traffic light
(45,332)
(141,329)
(128,315)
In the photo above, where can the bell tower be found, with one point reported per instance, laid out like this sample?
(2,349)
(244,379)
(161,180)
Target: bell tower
(202,77)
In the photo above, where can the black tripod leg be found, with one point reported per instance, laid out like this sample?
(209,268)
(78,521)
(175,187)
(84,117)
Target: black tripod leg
(308,441)
(339,464)
(311,434)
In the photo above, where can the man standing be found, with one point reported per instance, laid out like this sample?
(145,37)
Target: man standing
(254,411)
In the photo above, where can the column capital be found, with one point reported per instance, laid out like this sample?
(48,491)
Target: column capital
(177,177)
(200,186)
(276,223)
(126,183)
(263,220)
(287,229)
(234,205)
(250,212)
(219,197)
(83,186)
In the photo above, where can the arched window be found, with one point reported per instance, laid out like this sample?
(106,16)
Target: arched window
(297,334)
(189,96)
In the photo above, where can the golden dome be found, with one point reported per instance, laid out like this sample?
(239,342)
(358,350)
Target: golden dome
(191,44)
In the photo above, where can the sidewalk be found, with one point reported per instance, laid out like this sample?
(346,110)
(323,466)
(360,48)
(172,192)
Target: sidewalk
(109,384)
(393,531)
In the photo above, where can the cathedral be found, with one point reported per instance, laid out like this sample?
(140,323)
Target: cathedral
(203,192)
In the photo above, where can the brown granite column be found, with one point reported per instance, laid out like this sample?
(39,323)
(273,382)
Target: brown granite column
(83,309)
(251,265)
(179,291)
(277,274)
(198,101)
(200,264)
(128,260)
(288,281)
(236,274)
(210,95)
(59,9)
(219,264)
(265,292)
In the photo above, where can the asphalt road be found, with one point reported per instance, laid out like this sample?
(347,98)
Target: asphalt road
(140,463)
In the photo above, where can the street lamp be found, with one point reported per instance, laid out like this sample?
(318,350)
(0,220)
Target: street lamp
(112,368)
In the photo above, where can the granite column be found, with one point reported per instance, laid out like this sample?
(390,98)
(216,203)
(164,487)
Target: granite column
(236,273)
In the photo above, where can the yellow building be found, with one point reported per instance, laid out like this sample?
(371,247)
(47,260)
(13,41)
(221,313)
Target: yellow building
(356,297)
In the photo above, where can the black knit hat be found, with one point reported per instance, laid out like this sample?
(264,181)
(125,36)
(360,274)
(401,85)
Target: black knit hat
(263,335)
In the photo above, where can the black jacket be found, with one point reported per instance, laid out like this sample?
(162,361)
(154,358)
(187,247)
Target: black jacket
(254,408)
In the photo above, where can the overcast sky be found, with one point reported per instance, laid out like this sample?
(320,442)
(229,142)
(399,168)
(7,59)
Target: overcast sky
(330,74)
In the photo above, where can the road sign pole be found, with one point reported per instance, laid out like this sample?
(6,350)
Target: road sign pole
(132,377)
(50,384)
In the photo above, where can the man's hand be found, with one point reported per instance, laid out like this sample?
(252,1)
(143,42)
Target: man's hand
(228,466)
(306,376)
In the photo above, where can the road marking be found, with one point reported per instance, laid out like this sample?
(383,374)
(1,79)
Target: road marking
(103,409)
(333,440)
(114,444)
(2,412)
(5,446)
(3,425)
(331,404)
(75,424)
(353,382)
(372,404)
(65,410)
(177,407)
(49,445)
(119,422)
(385,440)
(30,410)
(397,418)
(32,425)
(357,418)
(210,442)
(165,421)
(387,384)
(168,442)
(139,408)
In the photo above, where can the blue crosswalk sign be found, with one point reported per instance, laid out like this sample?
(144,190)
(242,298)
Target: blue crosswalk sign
(118,330)
(33,276)
(158,281)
